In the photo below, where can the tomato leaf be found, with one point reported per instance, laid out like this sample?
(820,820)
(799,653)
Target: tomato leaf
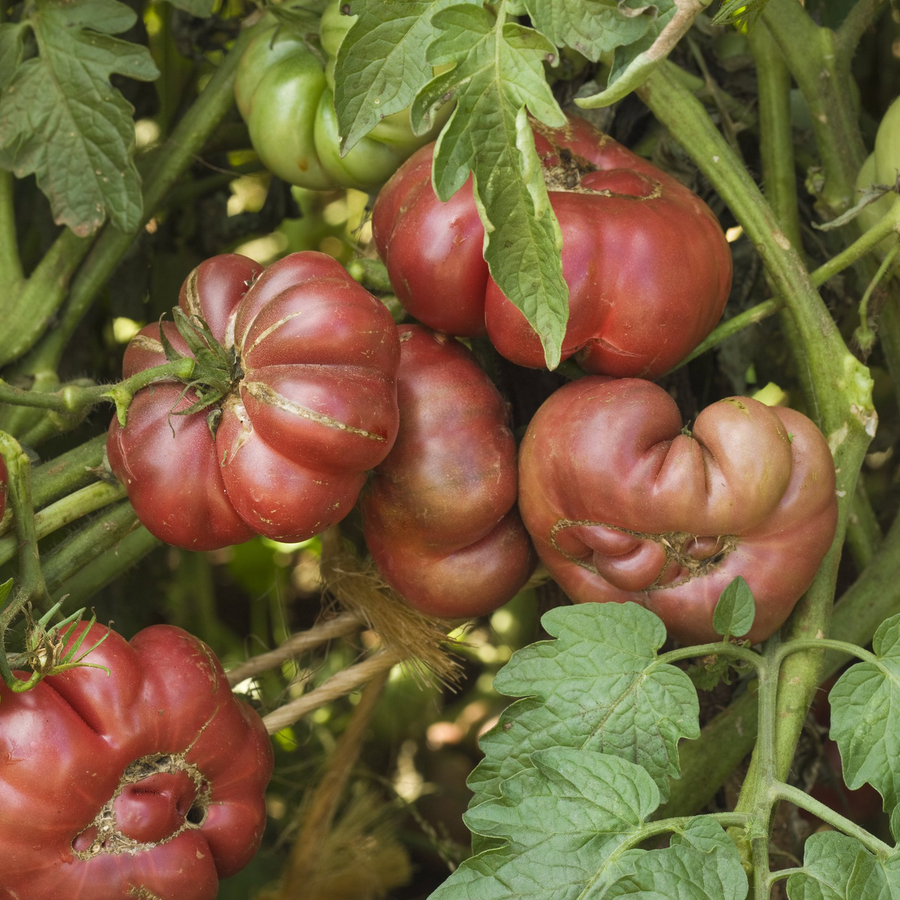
(203,9)
(381,63)
(633,64)
(12,51)
(592,27)
(496,79)
(599,686)
(563,821)
(735,610)
(61,119)
(838,867)
(865,720)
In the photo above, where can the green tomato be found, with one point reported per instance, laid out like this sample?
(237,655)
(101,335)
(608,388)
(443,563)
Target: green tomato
(887,145)
(284,93)
(334,26)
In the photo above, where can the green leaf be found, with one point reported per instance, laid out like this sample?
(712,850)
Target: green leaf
(381,63)
(12,51)
(61,119)
(592,27)
(865,719)
(497,79)
(633,64)
(735,609)
(563,822)
(701,863)
(838,867)
(600,687)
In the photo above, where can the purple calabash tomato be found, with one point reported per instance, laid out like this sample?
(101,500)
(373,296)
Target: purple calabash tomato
(312,405)
(440,516)
(144,781)
(646,262)
(623,503)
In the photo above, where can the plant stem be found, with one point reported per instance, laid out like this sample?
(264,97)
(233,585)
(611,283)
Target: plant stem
(842,647)
(782,791)
(28,311)
(173,159)
(338,627)
(861,16)
(87,500)
(76,400)
(338,685)
(823,78)
(11,275)
(97,574)
(30,583)
(58,477)
(307,857)
(88,544)
(864,335)
(717,648)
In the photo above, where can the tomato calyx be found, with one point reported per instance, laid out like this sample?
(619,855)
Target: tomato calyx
(217,371)
(638,560)
(158,797)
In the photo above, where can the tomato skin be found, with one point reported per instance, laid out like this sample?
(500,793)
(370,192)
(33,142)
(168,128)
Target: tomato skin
(439,516)
(4,486)
(314,409)
(605,473)
(282,90)
(73,738)
(646,262)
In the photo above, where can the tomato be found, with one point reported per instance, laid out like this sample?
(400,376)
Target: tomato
(881,167)
(282,90)
(312,406)
(4,486)
(144,781)
(623,503)
(646,262)
(440,516)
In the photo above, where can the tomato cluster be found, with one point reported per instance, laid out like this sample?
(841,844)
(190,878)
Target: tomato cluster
(285,92)
(141,776)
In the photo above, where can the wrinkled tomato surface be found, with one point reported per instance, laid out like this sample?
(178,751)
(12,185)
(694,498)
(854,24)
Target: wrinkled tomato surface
(623,503)
(646,262)
(146,781)
(440,516)
(312,407)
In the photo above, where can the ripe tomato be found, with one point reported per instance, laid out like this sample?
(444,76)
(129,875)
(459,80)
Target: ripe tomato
(312,406)
(440,516)
(144,781)
(624,504)
(283,92)
(646,262)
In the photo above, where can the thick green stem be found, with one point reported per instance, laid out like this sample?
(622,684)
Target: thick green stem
(11,274)
(823,78)
(30,586)
(858,20)
(76,400)
(171,162)
(88,544)
(28,311)
(96,575)
(781,791)
(87,500)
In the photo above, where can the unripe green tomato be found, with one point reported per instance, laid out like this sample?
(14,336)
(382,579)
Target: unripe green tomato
(334,26)
(887,146)
(282,91)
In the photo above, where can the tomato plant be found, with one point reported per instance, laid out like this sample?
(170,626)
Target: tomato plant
(440,516)
(646,262)
(665,191)
(634,506)
(304,403)
(141,774)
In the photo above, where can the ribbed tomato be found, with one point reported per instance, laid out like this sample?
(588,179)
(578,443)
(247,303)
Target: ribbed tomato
(311,406)
(624,503)
(440,516)
(146,780)
(646,262)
